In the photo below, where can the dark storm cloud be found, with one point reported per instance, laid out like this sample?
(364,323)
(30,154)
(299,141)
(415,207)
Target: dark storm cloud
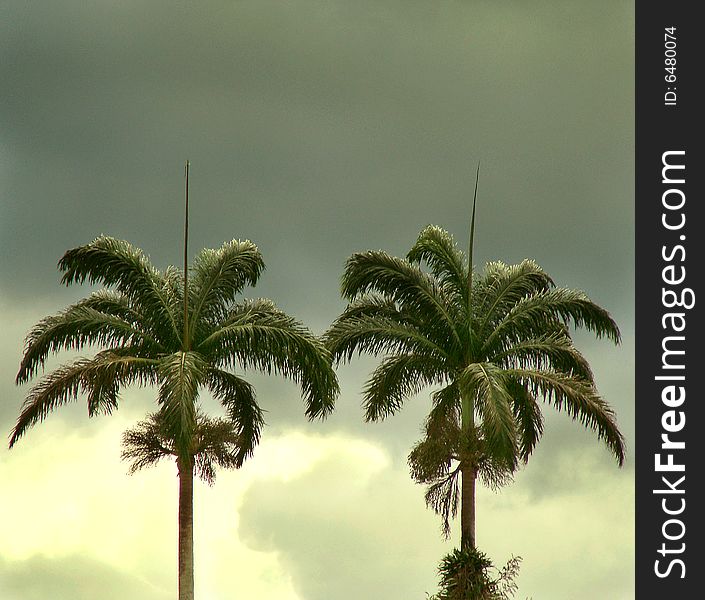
(316,129)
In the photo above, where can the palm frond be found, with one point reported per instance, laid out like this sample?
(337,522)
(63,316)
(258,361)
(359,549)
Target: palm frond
(261,337)
(119,265)
(539,313)
(527,414)
(219,275)
(407,285)
(180,375)
(579,399)
(486,383)
(377,335)
(437,248)
(247,418)
(100,378)
(554,351)
(103,319)
(502,286)
(396,379)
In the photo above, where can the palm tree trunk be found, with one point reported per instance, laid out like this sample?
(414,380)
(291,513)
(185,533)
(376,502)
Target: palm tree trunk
(467,507)
(185,528)
(468,473)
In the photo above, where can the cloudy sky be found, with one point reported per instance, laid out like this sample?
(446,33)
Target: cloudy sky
(315,129)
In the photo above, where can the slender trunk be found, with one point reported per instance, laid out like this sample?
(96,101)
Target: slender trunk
(467,507)
(468,473)
(185,529)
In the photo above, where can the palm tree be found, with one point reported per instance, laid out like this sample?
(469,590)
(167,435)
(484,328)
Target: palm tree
(495,345)
(149,332)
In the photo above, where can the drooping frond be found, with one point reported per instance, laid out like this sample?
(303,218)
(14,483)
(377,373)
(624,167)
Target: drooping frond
(377,335)
(99,378)
(396,379)
(579,399)
(539,313)
(238,398)
(180,375)
(119,265)
(219,275)
(259,336)
(486,383)
(104,319)
(548,351)
(529,419)
(436,247)
(407,285)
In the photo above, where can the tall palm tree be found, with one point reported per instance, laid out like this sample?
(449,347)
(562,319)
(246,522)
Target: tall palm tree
(494,345)
(149,332)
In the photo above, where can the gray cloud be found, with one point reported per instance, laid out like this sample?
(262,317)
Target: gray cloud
(72,578)
(343,534)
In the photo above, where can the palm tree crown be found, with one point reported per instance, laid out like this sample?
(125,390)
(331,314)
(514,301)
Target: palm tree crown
(493,344)
(139,323)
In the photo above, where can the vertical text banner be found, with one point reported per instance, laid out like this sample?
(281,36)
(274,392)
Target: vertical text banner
(670,337)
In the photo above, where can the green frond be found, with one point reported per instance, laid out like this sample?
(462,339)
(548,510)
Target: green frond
(180,375)
(377,335)
(487,384)
(119,265)
(259,336)
(238,398)
(551,351)
(102,319)
(437,248)
(579,399)
(529,419)
(99,378)
(396,379)
(502,286)
(407,285)
(542,312)
(219,275)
